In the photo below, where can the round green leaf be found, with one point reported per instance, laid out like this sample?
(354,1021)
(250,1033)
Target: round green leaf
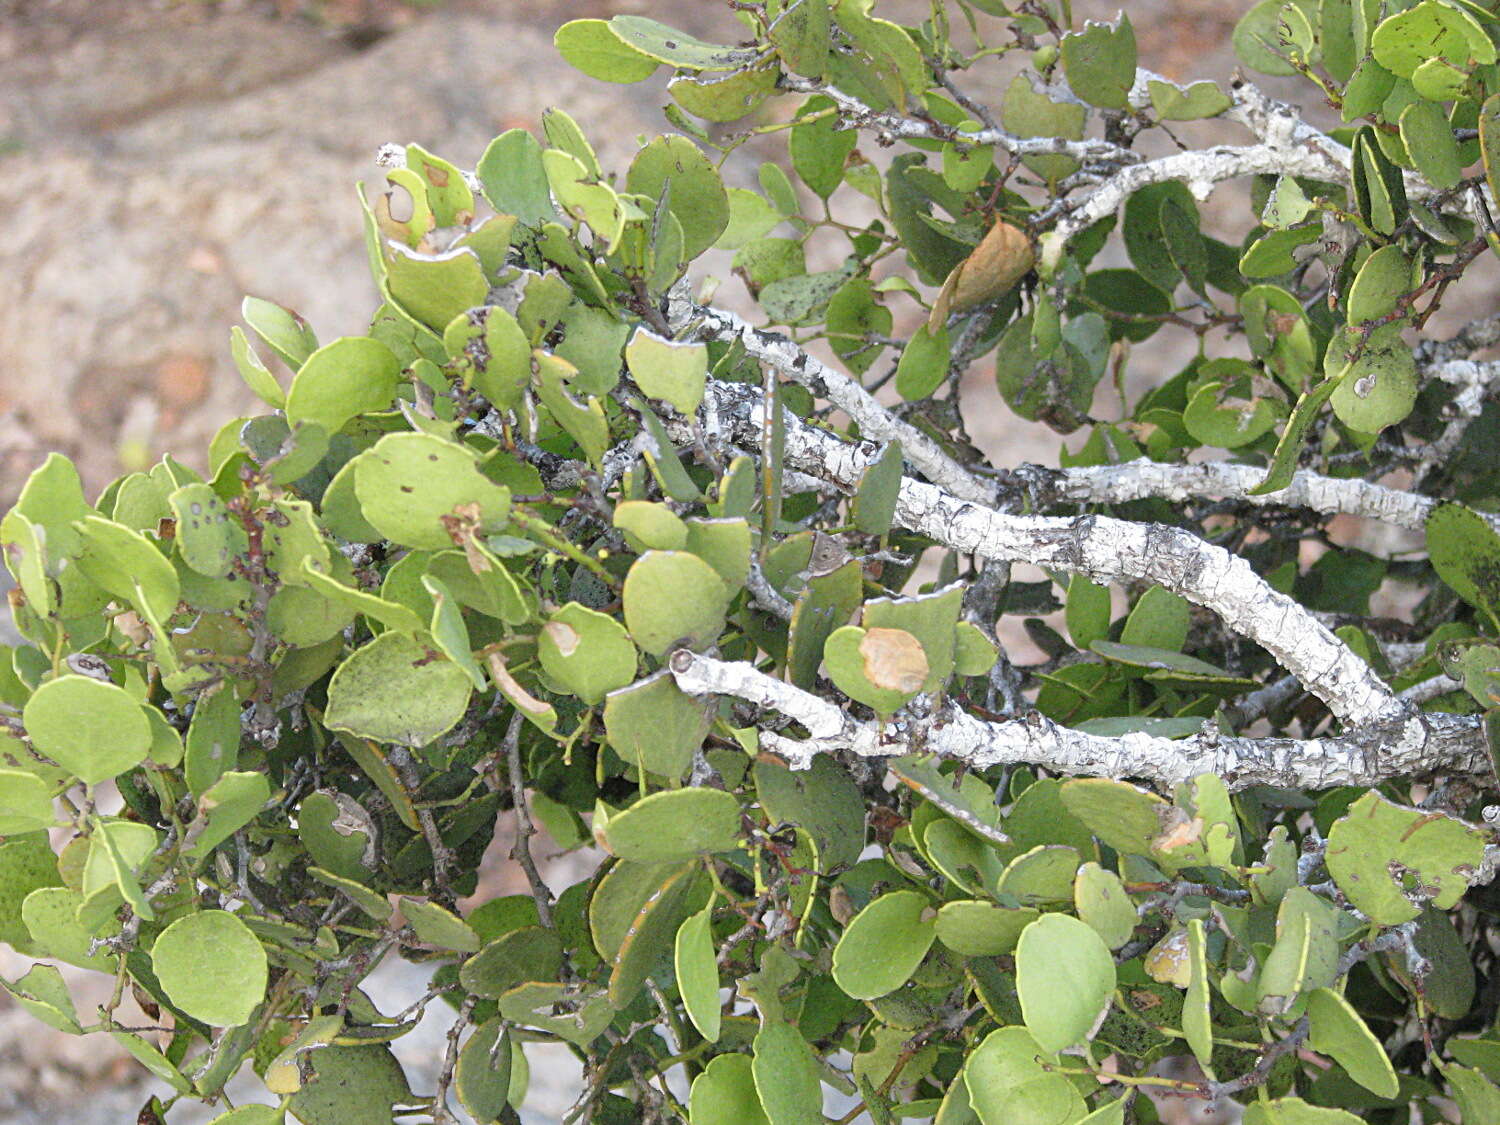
(698,972)
(674,825)
(1379,852)
(407,483)
(1100,898)
(27,864)
(883,944)
(975,928)
(674,169)
(1066,977)
(212,967)
(528,953)
(1008,1084)
(673,598)
(671,370)
(588,653)
(351,376)
(724,1094)
(92,729)
(395,689)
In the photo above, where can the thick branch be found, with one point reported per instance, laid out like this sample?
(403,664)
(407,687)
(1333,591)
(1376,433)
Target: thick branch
(1366,755)
(1143,478)
(1106,550)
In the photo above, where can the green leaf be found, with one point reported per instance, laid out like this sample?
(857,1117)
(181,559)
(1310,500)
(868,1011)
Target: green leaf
(724,1093)
(27,864)
(1406,40)
(883,944)
(1380,852)
(286,333)
(1065,977)
(1087,612)
(674,371)
(975,928)
(1100,899)
(820,147)
(1338,1031)
(725,97)
(655,725)
(208,539)
(674,825)
(350,1084)
(1295,1111)
(1100,63)
(1261,38)
(1008,1083)
(698,973)
(434,288)
(584,197)
(436,925)
(801,38)
(255,373)
(408,483)
(93,729)
(1029,113)
(853,314)
(212,967)
(674,171)
(394,689)
(666,44)
(873,508)
(673,599)
(786,1076)
(213,739)
(1172,102)
(1124,816)
(232,802)
(923,365)
(513,178)
(647,942)
(1387,276)
(482,1077)
(883,668)
(342,380)
(1478,1098)
(339,834)
(25,803)
(590,46)
(1379,189)
(587,652)
(1465,552)
(44,994)
(127,565)
(525,953)
(1430,141)
(1289,446)
(1197,1018)
(823,801)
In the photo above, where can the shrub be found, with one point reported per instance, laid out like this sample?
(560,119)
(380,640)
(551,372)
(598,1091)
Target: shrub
(559,540)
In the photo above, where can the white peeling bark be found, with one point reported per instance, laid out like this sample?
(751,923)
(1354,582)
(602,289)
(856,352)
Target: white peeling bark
(1367,755)
(1143,478)
(1106,550)
(875,421)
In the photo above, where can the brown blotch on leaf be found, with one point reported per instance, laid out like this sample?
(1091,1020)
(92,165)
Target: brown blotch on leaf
(893,660)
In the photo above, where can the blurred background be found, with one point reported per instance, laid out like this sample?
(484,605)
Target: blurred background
(160,159)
